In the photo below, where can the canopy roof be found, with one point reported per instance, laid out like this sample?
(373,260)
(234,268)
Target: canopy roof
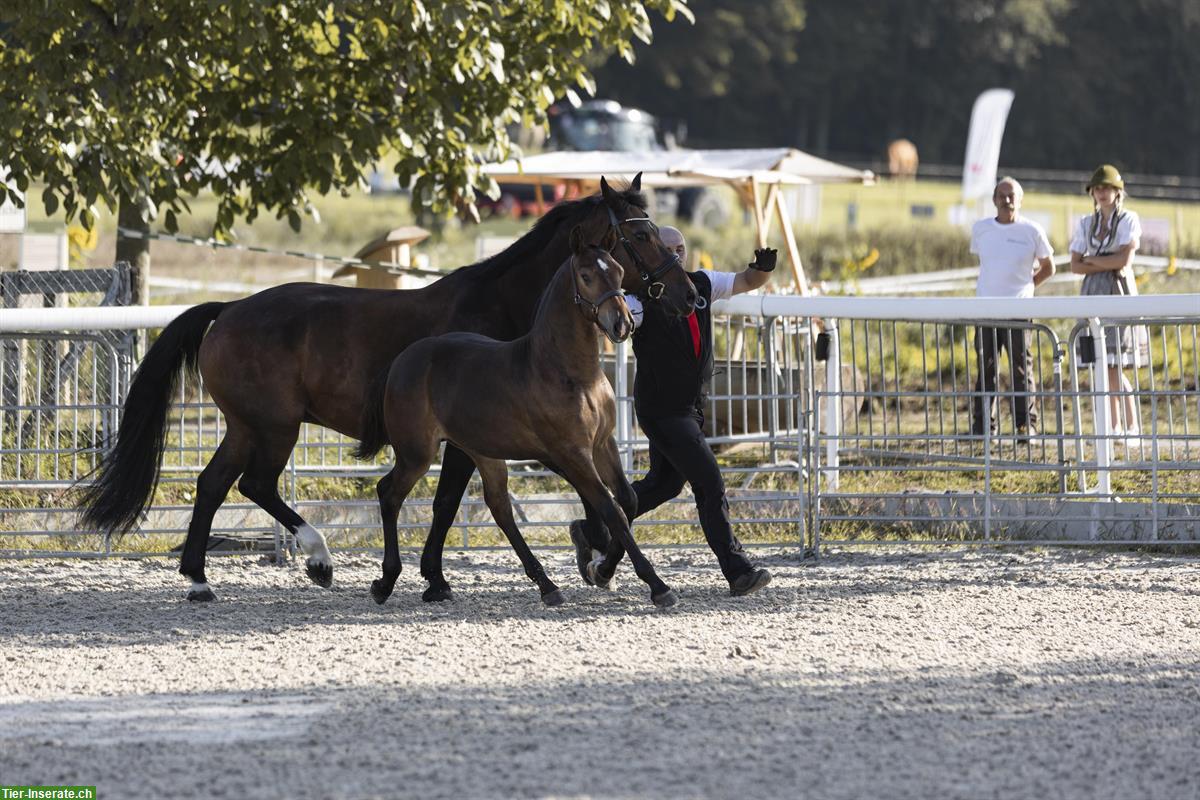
(775,165)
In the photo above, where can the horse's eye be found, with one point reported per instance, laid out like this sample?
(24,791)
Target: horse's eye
(586,277)
(643,236)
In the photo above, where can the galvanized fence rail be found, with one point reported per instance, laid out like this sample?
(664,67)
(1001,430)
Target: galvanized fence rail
(836,419)
(916,457)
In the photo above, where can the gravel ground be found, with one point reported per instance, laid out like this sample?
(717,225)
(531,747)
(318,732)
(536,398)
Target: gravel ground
(880,674)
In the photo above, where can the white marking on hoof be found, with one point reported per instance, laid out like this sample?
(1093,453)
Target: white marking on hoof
(597,555)
(200,592)
(314,546)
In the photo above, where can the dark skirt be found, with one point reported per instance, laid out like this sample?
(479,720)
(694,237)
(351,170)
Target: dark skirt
(1126,345)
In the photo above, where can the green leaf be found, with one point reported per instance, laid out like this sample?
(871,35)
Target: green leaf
(259,103)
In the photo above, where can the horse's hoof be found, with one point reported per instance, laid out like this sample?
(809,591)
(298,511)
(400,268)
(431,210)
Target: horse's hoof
(666,599)
(593,571)
(553,599)
(204,595)
(380,590)
(437,594)
(318,573)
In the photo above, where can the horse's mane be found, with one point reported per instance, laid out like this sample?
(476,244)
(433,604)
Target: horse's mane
(547,294)
(532,244)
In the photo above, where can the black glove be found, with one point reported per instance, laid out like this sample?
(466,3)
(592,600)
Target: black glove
(764,259)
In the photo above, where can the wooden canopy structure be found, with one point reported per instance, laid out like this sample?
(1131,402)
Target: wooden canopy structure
(388,258)
(757,175)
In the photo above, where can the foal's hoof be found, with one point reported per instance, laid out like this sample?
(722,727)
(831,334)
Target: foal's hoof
(437,594)
(553,599)
(666,599)
(381,590)
(318,573)
(596,579)
(204,595)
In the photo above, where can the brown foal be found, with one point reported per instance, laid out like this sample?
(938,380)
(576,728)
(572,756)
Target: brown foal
(543,397)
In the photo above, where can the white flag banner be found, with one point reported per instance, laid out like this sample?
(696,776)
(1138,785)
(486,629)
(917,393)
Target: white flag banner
(983,143)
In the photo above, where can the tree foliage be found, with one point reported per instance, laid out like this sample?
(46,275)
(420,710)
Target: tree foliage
(1097,81)
(144,103)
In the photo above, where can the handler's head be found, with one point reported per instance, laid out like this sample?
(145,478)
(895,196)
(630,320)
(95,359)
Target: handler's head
(673,239)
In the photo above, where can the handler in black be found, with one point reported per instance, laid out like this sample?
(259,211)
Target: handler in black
(675,366)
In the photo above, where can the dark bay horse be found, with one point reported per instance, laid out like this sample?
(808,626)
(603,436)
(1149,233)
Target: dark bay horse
(308,353)
(541,397)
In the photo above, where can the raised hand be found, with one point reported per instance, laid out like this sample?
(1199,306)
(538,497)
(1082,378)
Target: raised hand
(764,259)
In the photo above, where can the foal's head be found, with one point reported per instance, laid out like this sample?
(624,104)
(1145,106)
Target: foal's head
(652,271)
(597,277)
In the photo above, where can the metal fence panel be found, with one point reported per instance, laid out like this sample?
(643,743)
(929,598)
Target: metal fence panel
(850,430)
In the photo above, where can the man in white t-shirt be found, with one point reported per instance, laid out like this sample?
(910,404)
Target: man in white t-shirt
(1014,258)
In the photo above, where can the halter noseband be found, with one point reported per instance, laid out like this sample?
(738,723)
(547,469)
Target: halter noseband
(650,277)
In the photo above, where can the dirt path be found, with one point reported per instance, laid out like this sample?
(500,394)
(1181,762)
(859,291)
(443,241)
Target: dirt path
(974,674)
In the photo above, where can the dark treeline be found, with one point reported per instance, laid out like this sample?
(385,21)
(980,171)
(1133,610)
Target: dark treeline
(1095,81)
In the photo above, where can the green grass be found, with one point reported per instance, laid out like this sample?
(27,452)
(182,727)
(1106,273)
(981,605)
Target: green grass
(901,244)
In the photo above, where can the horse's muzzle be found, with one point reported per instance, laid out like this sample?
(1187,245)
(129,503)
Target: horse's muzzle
(619,328)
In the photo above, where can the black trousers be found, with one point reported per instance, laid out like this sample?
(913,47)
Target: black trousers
(988,344)
(679,453)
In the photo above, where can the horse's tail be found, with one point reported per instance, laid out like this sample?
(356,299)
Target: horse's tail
(113,503)
(374,431)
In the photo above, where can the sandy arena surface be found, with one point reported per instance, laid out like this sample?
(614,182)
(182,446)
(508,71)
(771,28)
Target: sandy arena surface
(865,674)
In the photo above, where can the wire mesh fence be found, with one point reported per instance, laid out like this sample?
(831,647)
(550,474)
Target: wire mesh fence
(845,429)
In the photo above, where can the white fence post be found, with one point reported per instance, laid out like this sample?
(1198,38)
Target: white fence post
(624,413)
(833,407)
(1100,408)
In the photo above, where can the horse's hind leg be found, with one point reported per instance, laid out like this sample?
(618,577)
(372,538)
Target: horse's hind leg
(211,488)
(261,485)
(494,473)
(457,468)
(393,489)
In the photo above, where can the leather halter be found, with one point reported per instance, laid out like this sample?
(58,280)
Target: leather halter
(582,301)
(653,287)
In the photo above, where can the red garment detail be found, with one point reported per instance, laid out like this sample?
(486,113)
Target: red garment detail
(694,327)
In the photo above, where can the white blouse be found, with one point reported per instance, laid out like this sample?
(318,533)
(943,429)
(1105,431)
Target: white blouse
(1086,242)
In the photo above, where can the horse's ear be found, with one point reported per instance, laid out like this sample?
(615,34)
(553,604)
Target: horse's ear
(609,242)
(606,191)
(578,242)
(637,183)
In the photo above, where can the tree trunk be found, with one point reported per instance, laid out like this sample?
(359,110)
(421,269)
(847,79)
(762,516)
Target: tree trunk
(135,251)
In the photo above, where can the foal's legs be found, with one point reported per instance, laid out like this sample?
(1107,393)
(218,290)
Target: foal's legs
(415,449)
(392,489)
(457,468)
(211,488)
(494,473)
(260,483)
(608,465)
(584,477)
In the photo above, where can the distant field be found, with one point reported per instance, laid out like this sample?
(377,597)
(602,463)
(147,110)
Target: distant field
(884,219)
(891,203)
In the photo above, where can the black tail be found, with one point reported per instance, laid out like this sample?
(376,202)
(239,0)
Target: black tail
(374,432)
(128,475)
